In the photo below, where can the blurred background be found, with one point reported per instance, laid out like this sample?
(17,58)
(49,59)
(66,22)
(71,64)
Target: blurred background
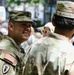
(41,10)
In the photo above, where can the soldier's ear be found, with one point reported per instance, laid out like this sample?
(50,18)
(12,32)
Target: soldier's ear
(53,22)
(10,26)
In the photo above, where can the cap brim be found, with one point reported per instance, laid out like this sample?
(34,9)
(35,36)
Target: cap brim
(24,19)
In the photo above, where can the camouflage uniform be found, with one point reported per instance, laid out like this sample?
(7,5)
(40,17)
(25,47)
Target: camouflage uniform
(11,56)
(54,54)
(48,56)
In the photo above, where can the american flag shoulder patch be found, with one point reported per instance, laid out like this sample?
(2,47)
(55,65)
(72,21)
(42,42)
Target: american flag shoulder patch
(11,58)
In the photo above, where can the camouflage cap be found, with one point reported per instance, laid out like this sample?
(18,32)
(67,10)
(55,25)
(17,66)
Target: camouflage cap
(20,16)
(65,9)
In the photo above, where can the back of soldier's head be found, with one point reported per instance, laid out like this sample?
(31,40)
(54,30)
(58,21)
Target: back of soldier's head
(64,15)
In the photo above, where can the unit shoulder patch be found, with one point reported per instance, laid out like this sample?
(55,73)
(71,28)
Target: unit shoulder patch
(5,68)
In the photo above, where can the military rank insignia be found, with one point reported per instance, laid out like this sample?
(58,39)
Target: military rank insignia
(5,68)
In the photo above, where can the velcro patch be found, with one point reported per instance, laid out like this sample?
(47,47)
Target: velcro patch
(5,68)
(11,59)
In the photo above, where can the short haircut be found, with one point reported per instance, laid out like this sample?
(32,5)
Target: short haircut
(63,22)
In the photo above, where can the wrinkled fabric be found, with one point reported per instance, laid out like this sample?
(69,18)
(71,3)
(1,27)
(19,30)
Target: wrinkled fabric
(8,65)
(49,56)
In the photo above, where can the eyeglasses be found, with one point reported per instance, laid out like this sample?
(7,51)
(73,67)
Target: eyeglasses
(45,31)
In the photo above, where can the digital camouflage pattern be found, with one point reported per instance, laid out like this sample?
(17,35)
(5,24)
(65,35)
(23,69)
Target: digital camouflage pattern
(11,58)
(20,16)
(50,56)
(11,55)
(65,9)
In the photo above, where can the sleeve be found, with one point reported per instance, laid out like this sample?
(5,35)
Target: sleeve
(6,68)
(69,66)
(7,64)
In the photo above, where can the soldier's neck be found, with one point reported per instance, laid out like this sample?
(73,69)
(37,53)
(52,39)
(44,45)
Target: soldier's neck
(67,33)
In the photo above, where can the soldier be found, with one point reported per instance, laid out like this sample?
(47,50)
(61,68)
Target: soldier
(54,54)
(11,54)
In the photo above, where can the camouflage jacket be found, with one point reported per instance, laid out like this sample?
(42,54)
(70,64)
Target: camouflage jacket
(11,59)
(50,56)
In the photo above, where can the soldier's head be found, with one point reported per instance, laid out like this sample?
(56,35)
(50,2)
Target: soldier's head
(63,19)
(19,27)
(64,16)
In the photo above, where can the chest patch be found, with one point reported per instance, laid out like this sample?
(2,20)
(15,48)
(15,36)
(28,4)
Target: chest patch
(5,68)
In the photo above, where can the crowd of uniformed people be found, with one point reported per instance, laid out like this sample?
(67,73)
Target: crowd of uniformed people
(48,50)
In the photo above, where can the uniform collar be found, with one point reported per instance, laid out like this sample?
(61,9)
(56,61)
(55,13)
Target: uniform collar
(58,36)
(13,42)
